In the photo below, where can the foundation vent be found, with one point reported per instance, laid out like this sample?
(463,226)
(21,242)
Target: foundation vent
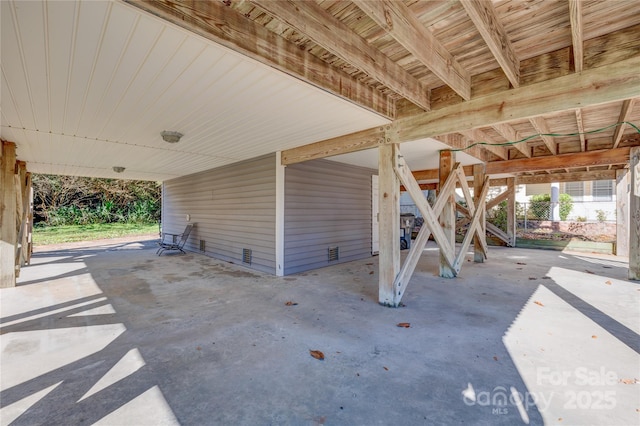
(246,256)
(202,246)
(334,253)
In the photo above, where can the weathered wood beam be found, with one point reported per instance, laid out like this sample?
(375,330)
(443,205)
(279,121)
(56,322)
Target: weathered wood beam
(623,184)
(389,204)
(510,134)
(634,215)
(477,135)
(479,239)
(575,17)
(609,83)
(568,177)
(625,113)
(541,126)
(580,124)
(222,24)
(447,216)
(560,161)
(406,29)
(511,211)
(336,37)
(484,17)
(8,235)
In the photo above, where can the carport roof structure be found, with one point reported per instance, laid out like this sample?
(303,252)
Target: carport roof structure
(87,86)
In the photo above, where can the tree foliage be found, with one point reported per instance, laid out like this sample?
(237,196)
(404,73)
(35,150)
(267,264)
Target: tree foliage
(72,200)
(541,205)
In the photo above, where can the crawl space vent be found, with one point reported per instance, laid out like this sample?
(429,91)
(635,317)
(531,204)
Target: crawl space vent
(246,256)
(334,253)
(202,245)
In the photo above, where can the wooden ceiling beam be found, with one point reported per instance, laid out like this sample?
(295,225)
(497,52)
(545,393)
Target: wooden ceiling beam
(477,135)
(510,134)
(625,113)
(580,124)
(567,177)
(313,21)
(484,17)
(605,84)
(397,20)
(575,17)
(573,160)
(541,126)
(223,25)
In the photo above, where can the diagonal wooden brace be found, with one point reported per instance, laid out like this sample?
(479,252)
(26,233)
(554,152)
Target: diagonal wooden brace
(474,228)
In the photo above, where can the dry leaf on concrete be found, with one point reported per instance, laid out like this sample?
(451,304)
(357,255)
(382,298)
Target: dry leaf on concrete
(538,303)
(316,354)
(404,324)
(290,303)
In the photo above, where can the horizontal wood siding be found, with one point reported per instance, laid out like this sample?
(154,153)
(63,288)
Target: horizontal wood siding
(234,208)
(327,204)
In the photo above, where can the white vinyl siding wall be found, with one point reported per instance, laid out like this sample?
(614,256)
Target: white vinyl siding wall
(327,204)
(234,208)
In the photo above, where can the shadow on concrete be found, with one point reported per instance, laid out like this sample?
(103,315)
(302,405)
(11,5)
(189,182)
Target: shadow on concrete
(220,345)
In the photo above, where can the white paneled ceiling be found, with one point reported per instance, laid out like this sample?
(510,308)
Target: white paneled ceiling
(88,85)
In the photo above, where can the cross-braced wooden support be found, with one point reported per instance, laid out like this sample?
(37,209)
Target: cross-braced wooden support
(430,227)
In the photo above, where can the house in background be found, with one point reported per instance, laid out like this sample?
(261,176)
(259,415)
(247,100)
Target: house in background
(592,200)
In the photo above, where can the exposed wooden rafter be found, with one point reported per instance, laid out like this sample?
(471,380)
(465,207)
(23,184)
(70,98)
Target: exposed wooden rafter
(510,134)
(336,37)
(403,26)
(477,135)
(575,17)
(625,113)
(541,126)
(611,83)
(483,16)
(580,124)
(222,24)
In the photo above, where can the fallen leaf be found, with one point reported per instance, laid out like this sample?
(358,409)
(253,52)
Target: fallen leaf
(520,263)
(629,381)
(538,303)
(495,358)
(317,354)
(532,278)
(404,324)
(608,282)
(371,273)
(369,264)
(385,368)
(546,278)
(594,337)
(588,271)
(290,303)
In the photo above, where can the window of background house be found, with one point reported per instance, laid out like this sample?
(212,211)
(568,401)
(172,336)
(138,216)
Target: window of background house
(575,189)
(602,190)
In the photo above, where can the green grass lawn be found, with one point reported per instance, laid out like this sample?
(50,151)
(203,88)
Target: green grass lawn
(71,233)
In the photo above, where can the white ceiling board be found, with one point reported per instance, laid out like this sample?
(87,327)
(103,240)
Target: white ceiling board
(423,154)
(88,85)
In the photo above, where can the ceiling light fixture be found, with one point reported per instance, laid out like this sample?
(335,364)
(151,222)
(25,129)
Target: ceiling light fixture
(170,136)
(118,169)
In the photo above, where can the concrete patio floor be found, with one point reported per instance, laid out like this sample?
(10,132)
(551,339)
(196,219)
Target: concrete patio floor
(113,334)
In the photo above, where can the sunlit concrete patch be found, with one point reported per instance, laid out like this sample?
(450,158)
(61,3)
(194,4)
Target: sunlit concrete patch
(56,311)
(575,371)
(44,294)
(11,412)
(100,310)
(149,408)
(617,298)
(47,350)
(131,362)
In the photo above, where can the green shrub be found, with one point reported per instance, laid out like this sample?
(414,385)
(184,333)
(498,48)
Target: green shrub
(541,206)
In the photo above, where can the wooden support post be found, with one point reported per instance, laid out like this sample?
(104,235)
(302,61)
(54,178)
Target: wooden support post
(389,204)
(478,180)
(511,211)
(7,215)
(622,212)
(448,215)
(634,215)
